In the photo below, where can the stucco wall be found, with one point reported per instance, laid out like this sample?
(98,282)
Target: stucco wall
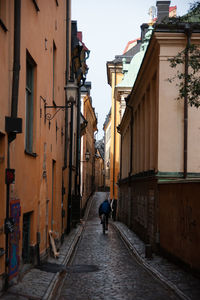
(88,167)
(137,207)
(34,171)
(115,137)
(171,115)
(179,219)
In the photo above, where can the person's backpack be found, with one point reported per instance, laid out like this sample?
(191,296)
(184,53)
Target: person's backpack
(105,207)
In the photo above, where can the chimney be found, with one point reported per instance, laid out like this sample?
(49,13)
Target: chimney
(144,27)
(162,10)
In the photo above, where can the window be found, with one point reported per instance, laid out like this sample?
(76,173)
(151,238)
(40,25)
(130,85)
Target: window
(3,15)
(30,70)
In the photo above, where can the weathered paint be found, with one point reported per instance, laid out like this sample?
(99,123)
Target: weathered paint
(43,35)
(179,221)
(88,142)
(158,147)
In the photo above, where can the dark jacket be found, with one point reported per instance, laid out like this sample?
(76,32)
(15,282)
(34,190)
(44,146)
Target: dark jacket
(104,208)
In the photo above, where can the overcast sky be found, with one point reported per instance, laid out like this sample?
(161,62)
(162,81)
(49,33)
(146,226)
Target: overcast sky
(107,27)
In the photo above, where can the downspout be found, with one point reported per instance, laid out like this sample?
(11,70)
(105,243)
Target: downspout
(16,62)
(70,172)
(131,139)
(14,106)
(114,139)
(188,35)
(66,79)
(66,110)
(78,141)
(77,184)
(120,171)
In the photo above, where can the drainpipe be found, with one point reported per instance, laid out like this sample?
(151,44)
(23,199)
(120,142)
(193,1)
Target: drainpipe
(16,62)
(77,184)
(7,217)
(66,79)
(131,138)
(188,35)
(114,140)
(14,106)
(70,172)
(120,172)
(66,110)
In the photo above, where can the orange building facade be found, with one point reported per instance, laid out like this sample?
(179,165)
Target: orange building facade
(88,147)
(35,199)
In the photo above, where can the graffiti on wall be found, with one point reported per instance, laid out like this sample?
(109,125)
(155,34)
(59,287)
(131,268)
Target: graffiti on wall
(15,212)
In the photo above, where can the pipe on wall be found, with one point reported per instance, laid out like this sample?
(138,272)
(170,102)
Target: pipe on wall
(16,61)
(185,155)
(114,139)
(66,79)
(14,107)
(131,140)
(70,171)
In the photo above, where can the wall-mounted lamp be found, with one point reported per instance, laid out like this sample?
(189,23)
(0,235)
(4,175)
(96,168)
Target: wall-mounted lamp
(87,155)
(49,116)
(71,93)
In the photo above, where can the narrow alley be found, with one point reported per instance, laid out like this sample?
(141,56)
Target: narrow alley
(103,268)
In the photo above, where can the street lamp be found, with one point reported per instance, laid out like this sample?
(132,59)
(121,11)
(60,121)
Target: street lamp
(71,93)
(87,155)
(71,90)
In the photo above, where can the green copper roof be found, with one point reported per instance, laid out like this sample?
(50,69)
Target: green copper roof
(131,70)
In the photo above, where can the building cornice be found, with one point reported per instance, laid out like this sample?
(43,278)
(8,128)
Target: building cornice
(87,102)
(112,68)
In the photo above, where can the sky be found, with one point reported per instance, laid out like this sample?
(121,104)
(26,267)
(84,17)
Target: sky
(107,27)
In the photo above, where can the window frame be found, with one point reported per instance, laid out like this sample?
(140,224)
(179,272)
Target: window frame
(30,105)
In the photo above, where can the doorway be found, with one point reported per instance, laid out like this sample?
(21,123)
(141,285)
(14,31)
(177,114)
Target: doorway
(26,237)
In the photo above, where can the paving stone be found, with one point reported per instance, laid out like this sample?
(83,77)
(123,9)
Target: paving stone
(118,276)
(184,281)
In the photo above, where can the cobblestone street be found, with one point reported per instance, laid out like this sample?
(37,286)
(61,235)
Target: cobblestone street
(103,268)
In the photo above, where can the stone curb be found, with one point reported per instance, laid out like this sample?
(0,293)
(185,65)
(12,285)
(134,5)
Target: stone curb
(148,267)
(77,236)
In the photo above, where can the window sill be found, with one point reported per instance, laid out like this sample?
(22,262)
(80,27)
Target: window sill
(30,153)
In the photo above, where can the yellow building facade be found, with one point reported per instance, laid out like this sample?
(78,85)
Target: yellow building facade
(114,75)
(159,185)
(107,142)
